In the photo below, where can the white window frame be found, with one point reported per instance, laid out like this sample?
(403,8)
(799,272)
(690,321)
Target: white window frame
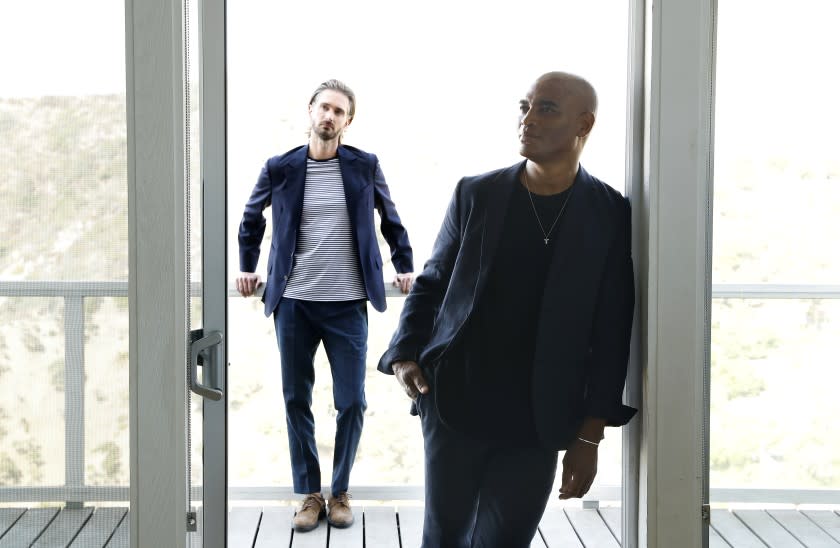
(156,288)
(676,209)
(670,185)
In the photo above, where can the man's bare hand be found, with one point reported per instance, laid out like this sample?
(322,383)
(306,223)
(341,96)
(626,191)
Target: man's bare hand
(247,283)
(411,378)
(404,281)
(580,464)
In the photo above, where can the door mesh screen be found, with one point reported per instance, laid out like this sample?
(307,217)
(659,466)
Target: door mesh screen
(64,398)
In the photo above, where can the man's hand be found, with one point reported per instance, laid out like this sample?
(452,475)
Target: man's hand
(580,464)
(411,378)
(404,281)
(247,283)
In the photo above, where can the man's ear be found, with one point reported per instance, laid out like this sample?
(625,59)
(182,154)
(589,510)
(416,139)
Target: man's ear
(586,121)
(349,120)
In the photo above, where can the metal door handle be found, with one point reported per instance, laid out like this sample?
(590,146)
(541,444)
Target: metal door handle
(197,350)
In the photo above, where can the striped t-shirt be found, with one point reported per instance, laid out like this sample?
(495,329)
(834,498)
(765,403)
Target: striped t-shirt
(326,263)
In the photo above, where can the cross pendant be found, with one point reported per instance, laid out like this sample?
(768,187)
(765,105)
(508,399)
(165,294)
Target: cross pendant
(545,240)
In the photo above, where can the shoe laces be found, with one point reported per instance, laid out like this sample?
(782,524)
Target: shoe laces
(343,498)
(311,501)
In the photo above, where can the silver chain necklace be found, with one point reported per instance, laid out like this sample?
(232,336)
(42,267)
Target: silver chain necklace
(562,209)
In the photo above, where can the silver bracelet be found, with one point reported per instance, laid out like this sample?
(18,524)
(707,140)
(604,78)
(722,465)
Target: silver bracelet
(589,442)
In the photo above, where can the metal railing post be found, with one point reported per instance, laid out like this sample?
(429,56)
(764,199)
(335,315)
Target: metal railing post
(74,395)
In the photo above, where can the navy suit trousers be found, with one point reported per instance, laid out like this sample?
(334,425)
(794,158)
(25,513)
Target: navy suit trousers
(479,494)
(342,326)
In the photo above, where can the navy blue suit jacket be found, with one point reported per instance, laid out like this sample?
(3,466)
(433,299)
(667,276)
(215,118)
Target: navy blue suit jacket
(586,315)
(281,186)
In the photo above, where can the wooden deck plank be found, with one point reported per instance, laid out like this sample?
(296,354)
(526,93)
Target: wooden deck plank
(827,520)
(63,528)
(538,541)
(591,529)
(100,527)
(8,516)
(411,525)
(122,536)
(733,530)
(381,527)
(353,536)
(242,526)
(612,517)
(768,529)
(28,527)
(806,531)
(557,530)
(715,540)
(275,527)
(316,538)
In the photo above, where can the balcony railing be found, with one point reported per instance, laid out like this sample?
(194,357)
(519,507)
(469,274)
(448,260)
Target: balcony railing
(74,491)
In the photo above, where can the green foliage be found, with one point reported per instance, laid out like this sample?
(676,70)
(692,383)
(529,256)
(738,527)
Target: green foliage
(32,342)
(107,468)
(63,187)
(57,375)
(10,474)
(30,455)
(3,418)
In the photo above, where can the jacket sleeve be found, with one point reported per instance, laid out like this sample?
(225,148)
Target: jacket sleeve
(252,226)
(427,292)
(391,227)
(612,324)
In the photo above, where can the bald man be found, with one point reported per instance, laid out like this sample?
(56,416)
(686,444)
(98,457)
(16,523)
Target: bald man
(513,342)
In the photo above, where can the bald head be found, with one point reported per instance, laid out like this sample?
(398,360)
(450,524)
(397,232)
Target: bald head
(555,118)
(574,86)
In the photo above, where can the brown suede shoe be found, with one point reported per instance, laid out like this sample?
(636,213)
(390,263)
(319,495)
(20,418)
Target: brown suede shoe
(312,509)
(340,515)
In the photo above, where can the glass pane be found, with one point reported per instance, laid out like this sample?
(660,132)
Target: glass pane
(437,99)
(777,133)
(777,197)
(106,392)
(774,400)
(32,428)
(63,256)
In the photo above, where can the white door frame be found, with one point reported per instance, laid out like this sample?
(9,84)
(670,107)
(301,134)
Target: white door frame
(676,206)
(157,292)
(213,112)
(673,210)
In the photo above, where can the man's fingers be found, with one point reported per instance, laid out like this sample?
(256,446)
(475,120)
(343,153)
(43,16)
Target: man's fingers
(570,490)
(420,384)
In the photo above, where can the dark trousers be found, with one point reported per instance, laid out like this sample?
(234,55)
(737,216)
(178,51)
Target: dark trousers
(479,494)
(343,328)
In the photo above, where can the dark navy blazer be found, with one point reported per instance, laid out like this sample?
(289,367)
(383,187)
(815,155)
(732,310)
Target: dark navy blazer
(585,318)
(281,186)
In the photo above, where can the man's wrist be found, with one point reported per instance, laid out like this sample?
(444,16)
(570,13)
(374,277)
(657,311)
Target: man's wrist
(589,442)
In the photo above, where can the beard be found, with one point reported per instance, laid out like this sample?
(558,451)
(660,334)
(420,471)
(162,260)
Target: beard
(325,133)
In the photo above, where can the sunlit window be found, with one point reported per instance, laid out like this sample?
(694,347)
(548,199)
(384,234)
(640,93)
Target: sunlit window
(777,205)
(63,253)
(437,88)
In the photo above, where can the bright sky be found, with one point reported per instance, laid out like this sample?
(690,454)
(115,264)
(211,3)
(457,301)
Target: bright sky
(437,82)
(54,47)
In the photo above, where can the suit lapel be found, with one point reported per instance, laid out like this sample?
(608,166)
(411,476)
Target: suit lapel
(350,176)
(496,198)
(296,182)
(578,253)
